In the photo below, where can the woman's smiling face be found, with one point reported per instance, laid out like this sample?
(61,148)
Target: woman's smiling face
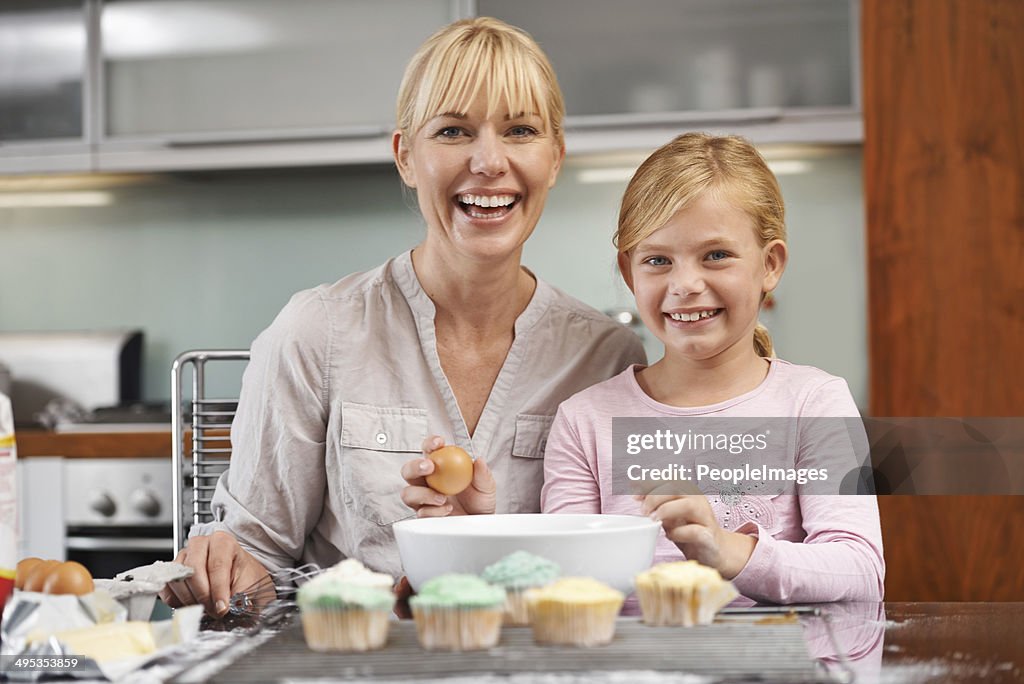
(481,178)
(698,280)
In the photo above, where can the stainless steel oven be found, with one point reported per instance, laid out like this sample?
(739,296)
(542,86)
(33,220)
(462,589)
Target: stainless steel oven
(117,512)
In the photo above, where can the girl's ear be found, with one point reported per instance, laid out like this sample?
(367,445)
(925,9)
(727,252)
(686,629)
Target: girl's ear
(400,150)
(559,158)
(626,269)
(775,257)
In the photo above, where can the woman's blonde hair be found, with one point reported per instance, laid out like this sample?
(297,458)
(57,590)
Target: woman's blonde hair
(470,55)
(676,174)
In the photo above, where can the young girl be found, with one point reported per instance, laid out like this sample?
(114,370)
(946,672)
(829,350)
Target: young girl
(701,241)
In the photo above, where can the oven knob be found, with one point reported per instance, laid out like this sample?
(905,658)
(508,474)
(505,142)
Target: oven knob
(102,504)
(146,503)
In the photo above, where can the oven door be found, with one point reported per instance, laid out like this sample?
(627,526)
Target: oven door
(108,550)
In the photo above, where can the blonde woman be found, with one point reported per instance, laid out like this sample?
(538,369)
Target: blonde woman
(452,342)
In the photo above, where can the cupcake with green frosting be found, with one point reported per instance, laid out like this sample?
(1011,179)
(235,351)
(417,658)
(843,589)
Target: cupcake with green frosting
(458,613)
(518,572)
(338,615)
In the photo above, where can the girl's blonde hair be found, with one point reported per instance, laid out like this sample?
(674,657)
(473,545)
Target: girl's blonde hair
(678,173)
(470,55)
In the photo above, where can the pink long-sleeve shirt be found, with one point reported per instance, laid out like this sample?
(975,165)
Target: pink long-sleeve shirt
(810,548)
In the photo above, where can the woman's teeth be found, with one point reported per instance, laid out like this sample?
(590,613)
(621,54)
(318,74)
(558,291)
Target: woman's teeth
(695,316)
(488,200)
(486,206)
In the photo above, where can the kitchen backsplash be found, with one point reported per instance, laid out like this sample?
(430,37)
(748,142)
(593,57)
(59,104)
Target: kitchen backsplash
(207,260)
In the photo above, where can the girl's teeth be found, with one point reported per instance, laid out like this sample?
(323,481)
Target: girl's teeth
(695,316)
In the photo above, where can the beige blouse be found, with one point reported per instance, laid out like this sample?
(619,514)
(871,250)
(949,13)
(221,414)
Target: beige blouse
(345,385)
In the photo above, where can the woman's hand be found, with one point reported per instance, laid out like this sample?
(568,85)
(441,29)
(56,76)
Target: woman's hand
(222,569)
(479,497)
(690,523)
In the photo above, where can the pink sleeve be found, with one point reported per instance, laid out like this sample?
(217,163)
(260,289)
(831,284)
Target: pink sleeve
(570,484)
(840,557)
(839,560)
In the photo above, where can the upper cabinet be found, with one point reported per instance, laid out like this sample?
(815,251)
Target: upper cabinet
(42,85)
(136,85)
(776,70)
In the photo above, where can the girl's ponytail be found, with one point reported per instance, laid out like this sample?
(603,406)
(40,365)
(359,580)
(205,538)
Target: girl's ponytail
(763,342)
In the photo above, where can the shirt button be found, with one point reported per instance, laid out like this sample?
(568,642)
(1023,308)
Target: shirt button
(382,438)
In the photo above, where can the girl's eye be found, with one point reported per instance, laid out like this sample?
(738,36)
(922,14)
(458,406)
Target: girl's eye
(717,255)
(656,261)
(522,131)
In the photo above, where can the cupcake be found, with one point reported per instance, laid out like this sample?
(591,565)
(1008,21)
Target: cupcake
(682,593)
(346,609)
(351,571)
(458,613)
(518,572)
(578,611)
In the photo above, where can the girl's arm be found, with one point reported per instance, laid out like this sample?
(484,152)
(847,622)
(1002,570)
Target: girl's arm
(570,481)
(839,560)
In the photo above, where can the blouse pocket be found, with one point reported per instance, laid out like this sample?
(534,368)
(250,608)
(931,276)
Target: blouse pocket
(527,467)
(375,442)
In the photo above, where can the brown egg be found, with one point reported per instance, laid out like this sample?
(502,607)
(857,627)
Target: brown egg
(24,569)
(453,470)
(35,579)
(69,578)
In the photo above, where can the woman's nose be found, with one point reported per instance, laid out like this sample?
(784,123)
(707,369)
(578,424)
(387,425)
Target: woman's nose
(488,155)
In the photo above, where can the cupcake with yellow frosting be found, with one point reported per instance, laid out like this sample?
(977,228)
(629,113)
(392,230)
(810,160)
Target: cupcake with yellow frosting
(457,612)
(517,573)
(578,611)
(347,607)
(682,593)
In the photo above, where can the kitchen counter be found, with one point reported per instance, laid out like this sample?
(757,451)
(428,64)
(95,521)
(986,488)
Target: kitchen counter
(151,444)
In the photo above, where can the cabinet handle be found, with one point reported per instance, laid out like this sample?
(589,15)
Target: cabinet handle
(763,114)
(216,138)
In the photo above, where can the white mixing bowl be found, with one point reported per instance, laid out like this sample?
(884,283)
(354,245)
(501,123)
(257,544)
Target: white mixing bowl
(610,548)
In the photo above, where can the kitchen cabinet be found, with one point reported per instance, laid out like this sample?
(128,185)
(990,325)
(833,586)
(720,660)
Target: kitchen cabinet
(778,71)
(162,85)
(43,86)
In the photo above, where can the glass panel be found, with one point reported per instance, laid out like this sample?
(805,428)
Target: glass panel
(42,60)
(614,57)
(178,66)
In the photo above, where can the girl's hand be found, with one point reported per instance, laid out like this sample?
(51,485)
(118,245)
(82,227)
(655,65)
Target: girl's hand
(690,523)
(479,497)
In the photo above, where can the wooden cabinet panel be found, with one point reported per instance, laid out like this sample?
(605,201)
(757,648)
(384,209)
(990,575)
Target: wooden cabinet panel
(944,180)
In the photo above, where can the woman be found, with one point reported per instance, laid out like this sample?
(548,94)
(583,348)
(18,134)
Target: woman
(452,342)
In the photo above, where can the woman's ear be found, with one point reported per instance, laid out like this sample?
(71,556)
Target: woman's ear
(776,255)
(558,166)
(400,150)
(626,269)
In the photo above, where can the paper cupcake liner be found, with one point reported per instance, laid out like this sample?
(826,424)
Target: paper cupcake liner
(331,629)
(517,608)
(684,606)
(575,625)
(458,629)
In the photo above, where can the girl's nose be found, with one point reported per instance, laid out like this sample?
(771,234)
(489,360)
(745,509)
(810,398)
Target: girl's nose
(686,281)
(488,155)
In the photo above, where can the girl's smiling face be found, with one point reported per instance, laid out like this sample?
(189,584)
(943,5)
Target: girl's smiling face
(699,279)
(481,178)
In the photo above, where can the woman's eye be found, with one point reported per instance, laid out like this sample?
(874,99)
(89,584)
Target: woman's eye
(522,131)
(717,255)
(656,261)
(449,132)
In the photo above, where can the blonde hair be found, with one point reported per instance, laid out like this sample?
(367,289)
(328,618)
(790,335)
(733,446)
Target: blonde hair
(676,174)
(470,55)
